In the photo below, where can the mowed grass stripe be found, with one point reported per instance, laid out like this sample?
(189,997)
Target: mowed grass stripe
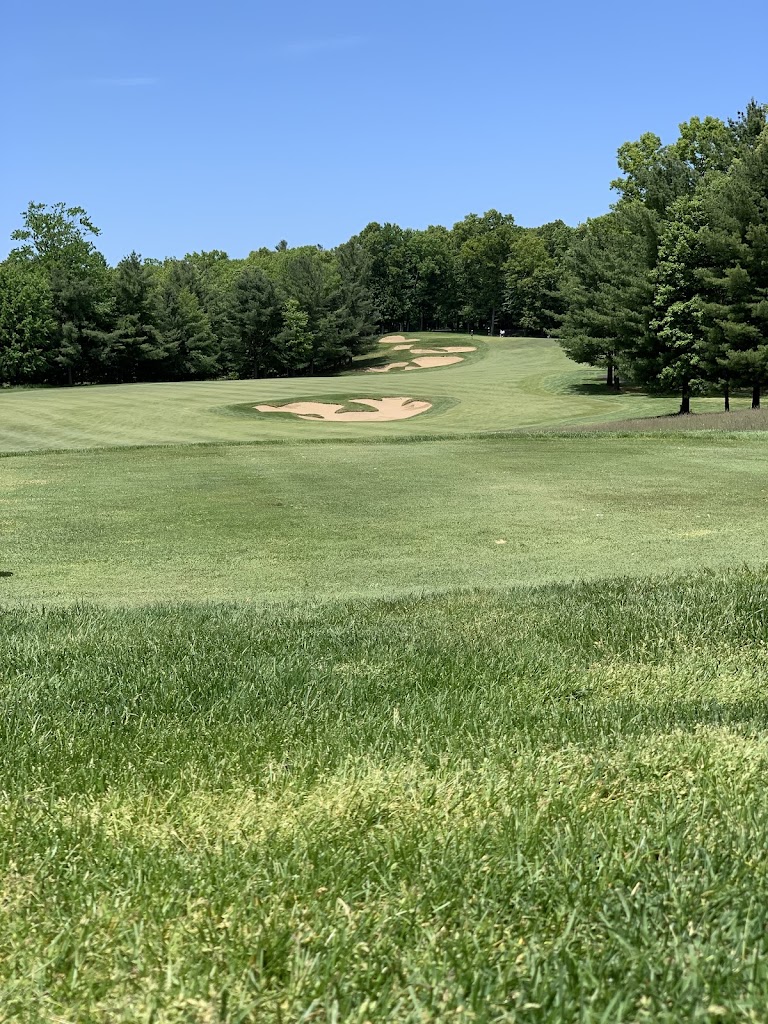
(544,805)
(273,522)
(505,385)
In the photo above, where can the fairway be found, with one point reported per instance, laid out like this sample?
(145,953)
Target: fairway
(459,717)
(504,385)
(322,510)
(325,521)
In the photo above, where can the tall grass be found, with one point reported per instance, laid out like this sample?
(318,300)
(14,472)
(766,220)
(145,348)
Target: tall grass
(539,805)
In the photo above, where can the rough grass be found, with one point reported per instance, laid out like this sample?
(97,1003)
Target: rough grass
(737,421)
(544,805)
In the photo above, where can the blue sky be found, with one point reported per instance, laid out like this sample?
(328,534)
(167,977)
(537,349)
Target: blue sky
(184,126)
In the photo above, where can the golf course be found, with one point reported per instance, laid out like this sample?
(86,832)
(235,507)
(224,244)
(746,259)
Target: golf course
(456,716)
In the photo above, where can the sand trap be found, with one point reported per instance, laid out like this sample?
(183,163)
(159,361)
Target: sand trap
(382,409)
(421,363)
(439,351)
(425,361)
(427,357)
(387,368)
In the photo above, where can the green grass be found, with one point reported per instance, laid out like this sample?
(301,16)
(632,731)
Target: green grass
(511,384)
(541,805)
(270,522)
(363,762)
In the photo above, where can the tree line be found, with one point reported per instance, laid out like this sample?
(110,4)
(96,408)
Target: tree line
(669,289)
(67,317)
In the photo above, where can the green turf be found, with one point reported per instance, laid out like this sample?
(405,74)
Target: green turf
(331,520)
(546,805)
(391,797)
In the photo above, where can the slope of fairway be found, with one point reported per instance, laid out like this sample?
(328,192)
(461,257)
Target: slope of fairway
(320,521)
(545,806)
(505,385)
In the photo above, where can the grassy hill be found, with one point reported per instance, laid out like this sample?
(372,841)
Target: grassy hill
(440,719)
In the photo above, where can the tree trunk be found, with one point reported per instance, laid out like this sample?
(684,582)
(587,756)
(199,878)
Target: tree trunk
(726,397)
(493,321)
(609,376)
(69,376)
(685,400)
(756,396)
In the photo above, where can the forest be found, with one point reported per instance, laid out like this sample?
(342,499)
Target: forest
(668,290)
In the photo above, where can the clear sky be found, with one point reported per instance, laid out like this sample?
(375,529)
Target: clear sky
(184,126)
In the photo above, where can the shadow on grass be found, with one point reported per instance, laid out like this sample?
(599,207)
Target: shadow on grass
(591,388)
(369,359)
(5,573)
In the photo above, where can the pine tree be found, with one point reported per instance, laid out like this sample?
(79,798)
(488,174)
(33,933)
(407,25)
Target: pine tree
(677,358)
(735,284)
(254,321)
(607,291)
(295,340)
(133,349)
(354,319)
(187,338)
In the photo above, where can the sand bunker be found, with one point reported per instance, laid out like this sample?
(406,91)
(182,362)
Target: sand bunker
(422,363)
(382,409)
(425,361)
(427,357)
